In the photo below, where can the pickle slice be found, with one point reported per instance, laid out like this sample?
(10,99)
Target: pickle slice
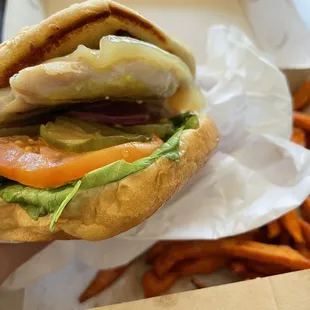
(160,130)
(68,124)
(67,139)
(90,127)
(192,122)
(30,131)
(188,119)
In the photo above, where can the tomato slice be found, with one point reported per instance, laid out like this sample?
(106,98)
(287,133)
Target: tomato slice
(34,163)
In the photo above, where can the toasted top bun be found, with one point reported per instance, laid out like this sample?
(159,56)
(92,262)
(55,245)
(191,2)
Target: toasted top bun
(106,211)
(86,24)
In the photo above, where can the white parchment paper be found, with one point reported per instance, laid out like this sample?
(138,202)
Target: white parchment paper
(255,176)
(282,28)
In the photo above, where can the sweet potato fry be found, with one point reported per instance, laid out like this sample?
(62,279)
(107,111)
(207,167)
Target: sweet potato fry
(267,269)
(158,248)
(305,227)
(305,209)
(153,286)
(290,221)
(200,266)
(299,136)
(281,255)
(301,120)
(240,269)
(301,96)
(180,252)
(102,280)
(197,283)
(274,229)
(303,250)
(277,254)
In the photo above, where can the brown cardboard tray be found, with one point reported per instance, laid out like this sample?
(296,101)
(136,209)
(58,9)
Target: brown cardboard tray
(289,291)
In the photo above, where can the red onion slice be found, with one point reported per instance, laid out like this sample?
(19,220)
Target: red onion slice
(111,119)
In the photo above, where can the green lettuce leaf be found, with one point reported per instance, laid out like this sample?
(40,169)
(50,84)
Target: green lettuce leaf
(121,169)
(37,202)
(56,215)
(42,202)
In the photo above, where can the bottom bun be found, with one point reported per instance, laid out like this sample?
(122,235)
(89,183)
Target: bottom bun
(109,210)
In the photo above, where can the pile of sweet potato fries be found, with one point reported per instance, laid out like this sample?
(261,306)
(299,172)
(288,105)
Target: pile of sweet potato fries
(278,247)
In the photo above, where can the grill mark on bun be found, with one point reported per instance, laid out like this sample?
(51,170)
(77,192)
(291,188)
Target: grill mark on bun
(123,15)
(36,53)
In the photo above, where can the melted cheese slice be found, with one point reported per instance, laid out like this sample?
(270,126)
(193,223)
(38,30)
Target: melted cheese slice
(123,68)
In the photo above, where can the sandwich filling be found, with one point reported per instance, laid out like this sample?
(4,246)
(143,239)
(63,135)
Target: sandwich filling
(89,119)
